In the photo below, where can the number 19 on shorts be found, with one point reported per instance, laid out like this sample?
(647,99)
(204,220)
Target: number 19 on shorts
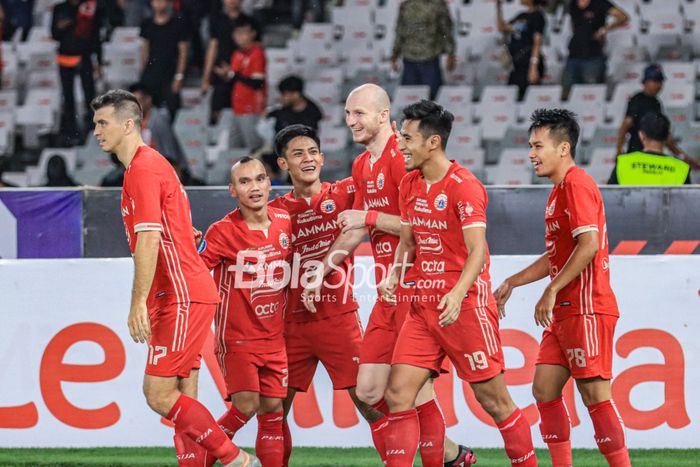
(477,360)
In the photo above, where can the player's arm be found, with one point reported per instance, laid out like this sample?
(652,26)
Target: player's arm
(145,260)
(403,259)
(622,134)
(359,219)
(502,25)
(584,252)
(451,302)
(534,272)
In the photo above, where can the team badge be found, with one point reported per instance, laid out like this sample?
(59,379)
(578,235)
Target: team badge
(380,180)
(284,240)
(328,206)
(441,202)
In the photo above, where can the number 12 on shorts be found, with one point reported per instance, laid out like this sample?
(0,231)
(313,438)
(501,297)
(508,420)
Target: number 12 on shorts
(577,356)
(477,360)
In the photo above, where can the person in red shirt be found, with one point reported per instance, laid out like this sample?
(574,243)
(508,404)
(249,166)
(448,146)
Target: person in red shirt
(331,331)
(249,251)
(247,75)
(377,173)
(453,313)
(578,307)
(173,297)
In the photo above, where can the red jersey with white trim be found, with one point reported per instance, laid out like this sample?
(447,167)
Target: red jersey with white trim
(314,230)
(378,190)
(251,268)
(154,199)
(438,214)
(576,206)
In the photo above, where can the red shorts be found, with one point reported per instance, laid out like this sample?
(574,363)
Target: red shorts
(383,328)
(472,343)
(581,343)
(264,373)
(178,333)
(334,341)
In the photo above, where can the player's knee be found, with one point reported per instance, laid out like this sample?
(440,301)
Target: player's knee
(398,398)
(159,401)
(542,393)
(369,393)
(497,405)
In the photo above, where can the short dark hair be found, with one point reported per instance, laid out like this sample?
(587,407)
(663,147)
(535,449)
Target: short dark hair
(291,83)
(656,126)
(433,119)
(561,123)
(140,87)
(243,22)
(125,104)
(285,135)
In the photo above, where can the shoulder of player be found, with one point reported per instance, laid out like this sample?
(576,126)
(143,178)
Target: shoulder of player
(278,214)
(343,187)
(579,179)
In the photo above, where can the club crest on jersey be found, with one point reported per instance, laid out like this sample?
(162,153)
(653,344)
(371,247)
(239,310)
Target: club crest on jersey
(441,202)
(380,180)
(550,208)
(284,240)
(328,206)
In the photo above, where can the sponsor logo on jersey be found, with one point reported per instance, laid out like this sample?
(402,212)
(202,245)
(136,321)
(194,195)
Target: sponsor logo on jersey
(606,264)
(266,309)
(429,243)
(380,180)
(456,178)
(552,227)
(550,208)
(284,240)
(464,210)
(440,202)
(421,205)
(432,266)
(373,203)
(314,229)
(125,211)
(281,215)
(429,223)
(383,248)
(328,206)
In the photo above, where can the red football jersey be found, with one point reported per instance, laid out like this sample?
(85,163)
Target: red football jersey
(314,229)
(576,206)
(154,199)
(378,190)
(251,268)
(247,63)
(435,213)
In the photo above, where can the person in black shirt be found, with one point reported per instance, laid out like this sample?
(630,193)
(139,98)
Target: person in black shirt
(164,55)
(296,107)
(586,63)
(525,34)
(639,105)
(219,51)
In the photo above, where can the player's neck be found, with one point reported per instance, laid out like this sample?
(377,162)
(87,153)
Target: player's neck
(127,149)
(378,143)
(255,219)
(558,176)
(435,168)
(302,190)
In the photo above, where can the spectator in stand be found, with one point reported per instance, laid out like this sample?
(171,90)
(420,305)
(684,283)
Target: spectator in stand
(307,11)
(246,74)
(114,177)
(424,31)
(17,15)
(638,106)
(525,35)
(156,127)
(75,24)
(587,61)
(219,51)
(194,11)
(164,54)
(650,166)
(57,173)
(296,107)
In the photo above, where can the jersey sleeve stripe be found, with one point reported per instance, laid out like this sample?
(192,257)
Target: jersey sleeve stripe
(144,226)
(475,224)
(583,229)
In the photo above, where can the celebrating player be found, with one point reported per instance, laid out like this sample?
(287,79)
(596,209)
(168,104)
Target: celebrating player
(578,308)
(453,312)
(248,250)
(332,332)
(377,173)
(173,296)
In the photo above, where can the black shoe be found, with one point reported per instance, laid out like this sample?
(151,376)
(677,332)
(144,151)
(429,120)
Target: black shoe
(465,458)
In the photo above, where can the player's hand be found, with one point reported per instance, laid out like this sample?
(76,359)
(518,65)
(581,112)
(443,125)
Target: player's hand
(544,307)
(198,236)
(533,75)
(600,34)
(312,291)
(451,306)
(502,294)
(204,87)
(387,289)
(352,219)
(139,324)
(176,86)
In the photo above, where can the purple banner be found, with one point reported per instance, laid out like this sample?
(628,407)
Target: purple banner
(41,224)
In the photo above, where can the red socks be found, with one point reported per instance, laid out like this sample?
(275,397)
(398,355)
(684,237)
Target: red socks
(232,421)
(379,429)
(381,406)
(194,420)
(555,427)
(610,433)
(269,445)
(432,434)
(517,439)
(287,443)
(189,453)
(401,439)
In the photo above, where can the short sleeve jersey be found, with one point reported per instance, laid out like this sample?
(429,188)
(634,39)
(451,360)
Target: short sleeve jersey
(576,206)
(585,22)
(248,63)
(438,214)
(378,190)
(314,230)
(249,268)
(154,199)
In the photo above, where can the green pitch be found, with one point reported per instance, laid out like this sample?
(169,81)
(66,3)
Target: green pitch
(316,457)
